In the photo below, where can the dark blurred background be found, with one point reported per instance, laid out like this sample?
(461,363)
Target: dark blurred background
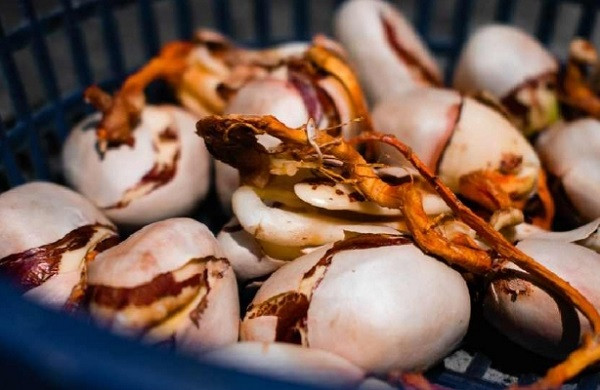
(127,17)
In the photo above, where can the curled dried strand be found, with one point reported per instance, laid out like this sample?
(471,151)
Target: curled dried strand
(589,352)
(311,131)
(333,63)
(121,113)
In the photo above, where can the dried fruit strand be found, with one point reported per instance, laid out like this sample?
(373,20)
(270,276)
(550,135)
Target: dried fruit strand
(121,113)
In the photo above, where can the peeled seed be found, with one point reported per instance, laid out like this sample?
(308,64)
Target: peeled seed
(164,174)
(513,67)
(352,289)
(389,56)
(570,151)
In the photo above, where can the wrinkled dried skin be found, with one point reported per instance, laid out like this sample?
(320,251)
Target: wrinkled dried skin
(331,311)
(528,314)
(54,274)
(378,37)
(167,283)
(288,362)
(238,133)
(570,153)
(165,174)
(514,68)
(47,235)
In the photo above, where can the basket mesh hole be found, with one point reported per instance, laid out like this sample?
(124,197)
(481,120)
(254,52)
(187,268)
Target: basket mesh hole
(443,13)
(163,11)
(92,35)
(565,28)
(52,145)
(202,14)
(10,15)
(4,185)
(23,161)
(483,13)
(44,7)
(6,111)
(526,11)
(64,71)
(242,20)
(408,9)
(130,35)
(320,16)
(79,111)
(442,61)
(595,37)
(29,76)
(282,9)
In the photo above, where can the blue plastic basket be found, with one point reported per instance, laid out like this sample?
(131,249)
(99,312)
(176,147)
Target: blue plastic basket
(39,101)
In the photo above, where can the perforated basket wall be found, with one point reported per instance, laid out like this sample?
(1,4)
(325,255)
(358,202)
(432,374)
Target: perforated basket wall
(50,50)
